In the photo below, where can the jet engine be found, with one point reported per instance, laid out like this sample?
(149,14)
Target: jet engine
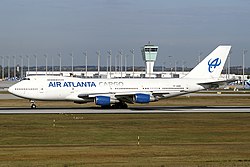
(143,98)
(104,100)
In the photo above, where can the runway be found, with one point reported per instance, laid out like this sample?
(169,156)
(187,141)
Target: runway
(132,110)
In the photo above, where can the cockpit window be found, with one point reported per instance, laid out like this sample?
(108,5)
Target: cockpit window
(26,79)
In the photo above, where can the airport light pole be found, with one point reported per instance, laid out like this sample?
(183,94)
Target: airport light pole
(14,67)
(121,62)
(46,61)
(183,66)
(110,62)
(243,67)
(72,62)
(116,62)
(2,67)
(21,76)
(107,65)
(115,65)
(125,66)
(149,65)
(175,64)
(98,62)
(36,62)
(163,66)
(60,62)
(170,64)
(228,67)
(52,64)
(2,58)
(86,63)
(133,63)
(8,60)
(28,58)
(229,63)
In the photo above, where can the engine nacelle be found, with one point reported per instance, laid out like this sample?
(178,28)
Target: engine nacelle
(104,100)
(142,98)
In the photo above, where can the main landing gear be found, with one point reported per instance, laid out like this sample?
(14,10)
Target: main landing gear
(119,105)
(33,105)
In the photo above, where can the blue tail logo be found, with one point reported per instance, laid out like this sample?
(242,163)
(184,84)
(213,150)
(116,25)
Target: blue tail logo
(212,64)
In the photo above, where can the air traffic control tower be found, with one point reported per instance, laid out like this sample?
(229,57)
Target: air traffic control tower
(149,54)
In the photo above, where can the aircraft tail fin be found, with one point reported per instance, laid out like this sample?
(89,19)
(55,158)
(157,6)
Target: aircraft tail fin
(212,66)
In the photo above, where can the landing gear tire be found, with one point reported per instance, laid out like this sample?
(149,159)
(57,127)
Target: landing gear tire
(33,106)
(124,106)
(106,107)
(120,106)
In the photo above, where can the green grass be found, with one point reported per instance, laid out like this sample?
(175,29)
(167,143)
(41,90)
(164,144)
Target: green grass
(191,139)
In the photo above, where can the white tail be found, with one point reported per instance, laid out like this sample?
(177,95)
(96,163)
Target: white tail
(212,65)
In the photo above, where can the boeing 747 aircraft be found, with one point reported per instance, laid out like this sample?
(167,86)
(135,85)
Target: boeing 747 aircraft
(118,92)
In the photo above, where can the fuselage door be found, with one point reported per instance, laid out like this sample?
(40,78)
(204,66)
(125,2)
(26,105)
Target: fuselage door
(41,89)
(72,90)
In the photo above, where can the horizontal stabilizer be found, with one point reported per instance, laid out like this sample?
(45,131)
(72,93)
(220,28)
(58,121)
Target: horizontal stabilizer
(216,83)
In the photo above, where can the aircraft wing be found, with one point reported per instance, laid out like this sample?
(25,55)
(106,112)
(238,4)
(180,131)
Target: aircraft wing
(117,94)
(127,97)
(216,83)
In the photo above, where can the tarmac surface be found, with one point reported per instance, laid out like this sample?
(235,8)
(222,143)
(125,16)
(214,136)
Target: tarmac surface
(132,110)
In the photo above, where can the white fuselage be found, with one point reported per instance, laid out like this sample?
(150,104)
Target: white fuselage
(68,88)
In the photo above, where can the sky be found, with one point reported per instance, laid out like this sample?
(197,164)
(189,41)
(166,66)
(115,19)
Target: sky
(183,29)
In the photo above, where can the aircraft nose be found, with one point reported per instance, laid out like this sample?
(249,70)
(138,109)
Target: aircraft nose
(11,89)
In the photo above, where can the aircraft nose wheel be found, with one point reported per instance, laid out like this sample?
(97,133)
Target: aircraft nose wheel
(33,106)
